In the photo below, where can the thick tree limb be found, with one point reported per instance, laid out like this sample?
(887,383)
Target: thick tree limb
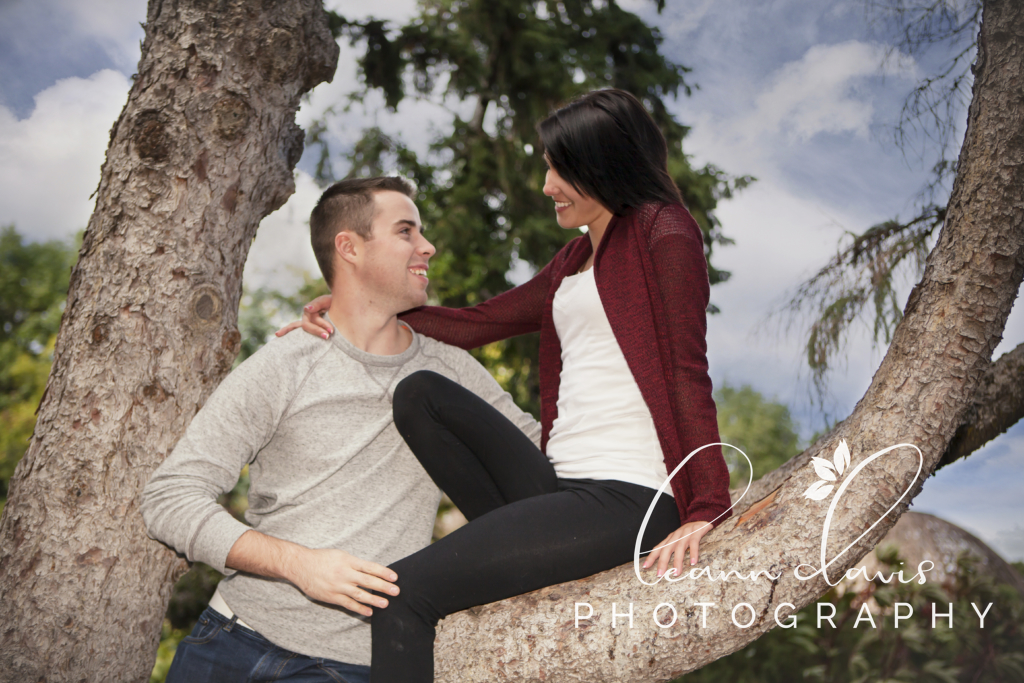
(998,404)
(920,395)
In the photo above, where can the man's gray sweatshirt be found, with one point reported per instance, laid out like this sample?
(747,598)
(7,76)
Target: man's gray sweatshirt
(327,469)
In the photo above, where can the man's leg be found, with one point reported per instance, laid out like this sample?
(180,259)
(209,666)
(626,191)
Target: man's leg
(213,652)
(584,528)
(289,667)
(471,451)
(220,651)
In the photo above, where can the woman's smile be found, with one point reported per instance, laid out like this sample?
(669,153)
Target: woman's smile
(573,208)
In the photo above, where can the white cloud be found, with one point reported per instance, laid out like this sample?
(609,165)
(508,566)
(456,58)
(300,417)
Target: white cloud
(116,25)
(50,162)
(827,91)
(416,122)
(802,131)
(684,20)
(413,123)
(781,239)
(817,94)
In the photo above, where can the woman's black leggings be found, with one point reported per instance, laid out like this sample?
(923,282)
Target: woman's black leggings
(528,529)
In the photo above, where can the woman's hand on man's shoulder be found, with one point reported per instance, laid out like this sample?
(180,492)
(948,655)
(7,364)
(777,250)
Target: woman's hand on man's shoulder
(312,320)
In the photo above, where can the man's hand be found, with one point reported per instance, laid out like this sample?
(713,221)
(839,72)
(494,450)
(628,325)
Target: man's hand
(336,577)
(312,319)
(326,575)
(686,537)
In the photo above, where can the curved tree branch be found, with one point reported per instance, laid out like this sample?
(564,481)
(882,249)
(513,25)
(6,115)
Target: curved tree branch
(920,395)
(998,405)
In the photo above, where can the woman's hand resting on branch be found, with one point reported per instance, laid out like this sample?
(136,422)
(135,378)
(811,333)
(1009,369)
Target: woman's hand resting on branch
(672,549)
(312,319)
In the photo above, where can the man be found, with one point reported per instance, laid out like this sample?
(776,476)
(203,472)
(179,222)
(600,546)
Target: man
(335,493)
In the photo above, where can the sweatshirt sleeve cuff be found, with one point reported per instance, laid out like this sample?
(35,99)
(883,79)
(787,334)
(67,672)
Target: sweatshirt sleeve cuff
(213,540)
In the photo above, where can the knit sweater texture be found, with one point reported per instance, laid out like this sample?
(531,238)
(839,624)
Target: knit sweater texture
(327,469)
(652,278)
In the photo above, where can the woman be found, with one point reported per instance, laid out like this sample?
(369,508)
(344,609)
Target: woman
(625,395)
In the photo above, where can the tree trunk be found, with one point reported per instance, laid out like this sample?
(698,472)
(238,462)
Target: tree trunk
(203,150)
(920,393)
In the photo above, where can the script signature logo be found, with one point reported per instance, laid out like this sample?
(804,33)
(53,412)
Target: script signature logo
(832,474)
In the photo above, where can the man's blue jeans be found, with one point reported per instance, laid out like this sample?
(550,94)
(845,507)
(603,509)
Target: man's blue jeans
(220,651)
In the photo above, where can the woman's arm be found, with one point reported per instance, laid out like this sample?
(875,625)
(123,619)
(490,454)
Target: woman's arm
(509,314)
(680,273)
(677,253)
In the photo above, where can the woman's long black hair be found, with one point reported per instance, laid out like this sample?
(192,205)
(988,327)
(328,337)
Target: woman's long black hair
(608,147)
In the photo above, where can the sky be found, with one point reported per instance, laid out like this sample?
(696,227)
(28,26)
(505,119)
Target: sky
(794,92)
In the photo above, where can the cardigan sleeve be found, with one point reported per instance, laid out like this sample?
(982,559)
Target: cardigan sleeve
(680,271)
(509,314)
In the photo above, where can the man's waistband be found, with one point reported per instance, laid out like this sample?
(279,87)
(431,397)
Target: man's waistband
(217,603)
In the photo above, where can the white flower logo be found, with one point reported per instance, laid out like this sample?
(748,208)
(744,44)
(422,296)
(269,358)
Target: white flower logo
(828,471)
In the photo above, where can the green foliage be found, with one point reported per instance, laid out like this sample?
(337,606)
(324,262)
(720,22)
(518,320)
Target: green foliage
(516,60)
(762,429)
(33,286)
(480,186)
(169,639)
(913,652)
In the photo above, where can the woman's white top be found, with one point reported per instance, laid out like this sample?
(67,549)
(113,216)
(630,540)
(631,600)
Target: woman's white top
(604,429)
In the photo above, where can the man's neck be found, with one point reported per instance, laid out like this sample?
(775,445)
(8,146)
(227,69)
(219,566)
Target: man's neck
(368,328)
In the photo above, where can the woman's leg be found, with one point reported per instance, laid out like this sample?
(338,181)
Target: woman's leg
(583,528)
(471,451)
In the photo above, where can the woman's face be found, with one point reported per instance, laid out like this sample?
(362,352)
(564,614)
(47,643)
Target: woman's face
(572,209)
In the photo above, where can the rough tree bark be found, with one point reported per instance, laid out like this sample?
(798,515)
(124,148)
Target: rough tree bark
(203,150)
(920,394)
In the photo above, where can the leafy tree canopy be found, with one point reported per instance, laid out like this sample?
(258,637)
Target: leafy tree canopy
(33,286)
(510,62)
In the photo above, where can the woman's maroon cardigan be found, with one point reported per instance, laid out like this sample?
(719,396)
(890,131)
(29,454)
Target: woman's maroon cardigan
(653,282)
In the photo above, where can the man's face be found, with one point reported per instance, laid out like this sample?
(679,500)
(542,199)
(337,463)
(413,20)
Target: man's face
(395,263)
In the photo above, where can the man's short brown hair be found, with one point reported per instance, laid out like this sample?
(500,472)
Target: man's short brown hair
(348,205)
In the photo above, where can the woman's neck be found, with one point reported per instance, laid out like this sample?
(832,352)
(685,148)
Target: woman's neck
(596,231)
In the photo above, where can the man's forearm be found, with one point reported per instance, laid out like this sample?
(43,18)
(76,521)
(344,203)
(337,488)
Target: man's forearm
(325,574)
(264,555)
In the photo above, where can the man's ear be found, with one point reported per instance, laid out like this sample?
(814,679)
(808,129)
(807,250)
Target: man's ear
(348,246)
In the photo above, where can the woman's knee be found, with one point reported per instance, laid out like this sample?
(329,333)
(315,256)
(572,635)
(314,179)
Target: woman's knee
(412,396)
(415,599)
